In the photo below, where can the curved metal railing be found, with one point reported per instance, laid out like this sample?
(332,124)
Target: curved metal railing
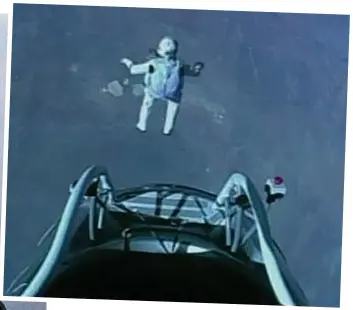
(65,225)
(284,285)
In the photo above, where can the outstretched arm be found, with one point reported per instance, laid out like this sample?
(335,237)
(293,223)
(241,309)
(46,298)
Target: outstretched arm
(140,68)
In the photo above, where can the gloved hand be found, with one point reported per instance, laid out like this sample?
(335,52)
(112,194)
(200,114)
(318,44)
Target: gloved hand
(127,62)
(198,66)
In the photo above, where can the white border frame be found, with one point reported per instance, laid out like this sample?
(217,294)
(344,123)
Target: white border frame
(309,6)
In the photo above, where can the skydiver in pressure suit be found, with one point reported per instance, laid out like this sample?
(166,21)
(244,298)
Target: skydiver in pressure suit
(163,80)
